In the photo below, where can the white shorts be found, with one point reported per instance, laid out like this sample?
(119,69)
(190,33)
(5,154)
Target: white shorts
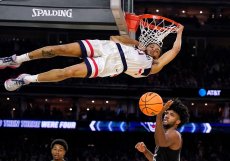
(103,58)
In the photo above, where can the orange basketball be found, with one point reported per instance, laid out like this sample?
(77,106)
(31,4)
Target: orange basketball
(150,103)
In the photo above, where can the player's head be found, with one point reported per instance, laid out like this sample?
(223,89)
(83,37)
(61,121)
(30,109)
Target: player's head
(59,147)
(176,115)
(154,50)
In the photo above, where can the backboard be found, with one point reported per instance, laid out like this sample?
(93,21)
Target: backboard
(68,14)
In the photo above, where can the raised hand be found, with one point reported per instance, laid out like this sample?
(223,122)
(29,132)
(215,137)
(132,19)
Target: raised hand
(180,28)
(141,147)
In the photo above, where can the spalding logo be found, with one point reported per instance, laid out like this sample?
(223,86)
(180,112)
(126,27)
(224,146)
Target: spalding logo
(36,12)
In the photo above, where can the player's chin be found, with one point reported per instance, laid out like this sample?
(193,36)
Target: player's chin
(56,157)
(149,53)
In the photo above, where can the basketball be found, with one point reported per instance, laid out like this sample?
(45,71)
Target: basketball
(150,103)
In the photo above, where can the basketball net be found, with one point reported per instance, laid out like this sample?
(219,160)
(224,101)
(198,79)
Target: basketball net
(153,28)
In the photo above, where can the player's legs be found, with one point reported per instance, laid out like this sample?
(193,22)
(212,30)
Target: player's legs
(70,50)
(54,75)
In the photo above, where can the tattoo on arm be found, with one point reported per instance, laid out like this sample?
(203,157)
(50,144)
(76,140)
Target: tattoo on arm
(47,54)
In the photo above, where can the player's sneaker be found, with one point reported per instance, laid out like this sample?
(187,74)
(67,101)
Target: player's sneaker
(15,83)
(9,62)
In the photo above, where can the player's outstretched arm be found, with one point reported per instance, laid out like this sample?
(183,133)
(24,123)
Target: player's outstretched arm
(124,40)
(171,54)
(141,147)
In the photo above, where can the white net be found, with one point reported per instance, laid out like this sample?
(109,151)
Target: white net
(154,30)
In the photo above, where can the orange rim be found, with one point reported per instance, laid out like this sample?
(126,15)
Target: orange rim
(158,18)
(151,26)
(133,21)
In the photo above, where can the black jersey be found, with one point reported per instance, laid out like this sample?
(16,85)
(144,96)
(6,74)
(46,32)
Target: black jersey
(166,154)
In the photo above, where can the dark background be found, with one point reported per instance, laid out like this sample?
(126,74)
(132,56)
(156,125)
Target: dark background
(202,63)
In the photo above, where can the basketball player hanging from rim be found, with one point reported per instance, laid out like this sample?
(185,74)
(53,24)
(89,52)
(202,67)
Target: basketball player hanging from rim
(104,58)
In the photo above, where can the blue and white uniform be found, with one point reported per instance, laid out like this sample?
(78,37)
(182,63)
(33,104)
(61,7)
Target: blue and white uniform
(106,58)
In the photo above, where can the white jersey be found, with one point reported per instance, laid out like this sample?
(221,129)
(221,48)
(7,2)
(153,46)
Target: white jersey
(106,58)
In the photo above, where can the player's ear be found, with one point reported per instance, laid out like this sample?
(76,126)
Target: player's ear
(178,122)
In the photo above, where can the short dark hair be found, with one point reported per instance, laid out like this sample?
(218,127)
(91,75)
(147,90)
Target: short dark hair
(61,142)
(181,110)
